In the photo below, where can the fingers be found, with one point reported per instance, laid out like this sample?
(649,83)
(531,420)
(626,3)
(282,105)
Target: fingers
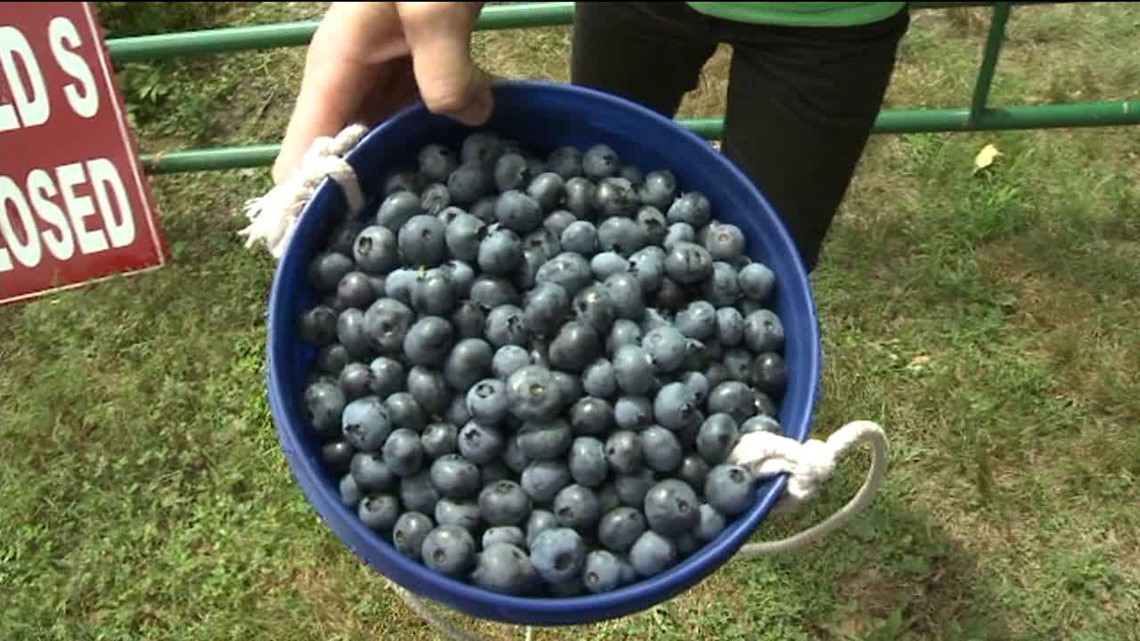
(343,64)
(439,37)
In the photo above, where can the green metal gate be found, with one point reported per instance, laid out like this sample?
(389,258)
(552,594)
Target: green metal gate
(979,115)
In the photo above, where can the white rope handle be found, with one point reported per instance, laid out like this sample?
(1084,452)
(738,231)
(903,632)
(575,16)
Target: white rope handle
(273,216)
(810,464)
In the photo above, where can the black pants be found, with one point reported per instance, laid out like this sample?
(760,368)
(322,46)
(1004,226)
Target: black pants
(801,101)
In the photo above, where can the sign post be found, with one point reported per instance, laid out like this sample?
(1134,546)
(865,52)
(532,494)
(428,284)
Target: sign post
(75,204)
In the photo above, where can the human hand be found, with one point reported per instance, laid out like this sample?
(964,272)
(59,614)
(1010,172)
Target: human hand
(368,60)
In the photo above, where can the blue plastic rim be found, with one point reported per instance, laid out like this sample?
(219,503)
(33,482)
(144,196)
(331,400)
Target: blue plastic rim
(545,116)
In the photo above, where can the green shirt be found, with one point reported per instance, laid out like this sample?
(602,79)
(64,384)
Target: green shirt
(801,14)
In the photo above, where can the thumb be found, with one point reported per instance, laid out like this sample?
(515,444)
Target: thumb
(439,37)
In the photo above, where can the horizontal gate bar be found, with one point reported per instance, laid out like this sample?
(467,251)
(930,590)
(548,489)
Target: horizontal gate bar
(890,121)
(293,34)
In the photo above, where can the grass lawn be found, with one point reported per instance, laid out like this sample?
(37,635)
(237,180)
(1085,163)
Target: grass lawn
(987,320)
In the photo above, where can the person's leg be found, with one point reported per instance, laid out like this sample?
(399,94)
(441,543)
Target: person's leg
(649,53)
(801,104)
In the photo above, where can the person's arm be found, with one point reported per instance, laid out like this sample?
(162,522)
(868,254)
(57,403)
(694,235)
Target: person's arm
(369,59)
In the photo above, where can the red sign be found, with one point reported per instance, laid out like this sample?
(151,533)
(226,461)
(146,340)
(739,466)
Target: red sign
(75,205)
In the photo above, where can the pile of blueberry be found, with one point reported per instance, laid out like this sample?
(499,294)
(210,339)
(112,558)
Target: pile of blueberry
(532,368)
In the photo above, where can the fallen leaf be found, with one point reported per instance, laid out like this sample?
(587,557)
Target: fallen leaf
(919,360)
(986,157)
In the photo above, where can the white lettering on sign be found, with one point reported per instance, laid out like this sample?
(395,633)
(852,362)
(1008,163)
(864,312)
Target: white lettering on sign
(31,100)
(64,228)
(84,100)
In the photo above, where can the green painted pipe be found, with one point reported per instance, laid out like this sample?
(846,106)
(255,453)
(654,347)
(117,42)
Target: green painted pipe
(994,40)
(891,121)
(294,34)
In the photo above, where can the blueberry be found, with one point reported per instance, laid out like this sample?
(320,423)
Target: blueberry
(590,416)
(468,183)
(600,161)
(543,243)
(468,363)
(548,189)
(724,241)
(504,568)
(398,284)
(717,437)
(756,281)
(672,508)
(434,199)
(506,326)
(388,376)
(484,209)
(652,554)
(403,453)
(688,263)
(355,290)
(761,423)
(631,488)
(487,401)
(350,493)
(500,252)
(337,455)
(729,326)
(569,386)
(595,306)
(670,297)
(333,358)
(433,295)
(504,503)
(608,498)
(518,212)
(730,489)
(545,307)
(624,332)
(608,263)
(633,412)
(666,348)
(436,162)
(698,320)
(482,147)
(693,470)
(494,472)
(621,235)
(633,370)
(514,458)
(351,332)
(533,394)
(692,208)
(429,389)
(587,462)
(366,423)
(763,331)
(678,233)
(698,384)
(399,181)
(623,452)
(326,270)
(600,379)
(511,172)
(404,411)
(566,162)
(371,473)
(409,532)
(711,524)
(455,477)
(317,326)
(469,319)
(507,359)
(601,572)
(544,440)
(580,237)
(660,449)
(539,522)
(738,361)
(658,189)
(449,550)
(620,528)
(457,413)
(461,512)
(509,534)
(569,270)
(379,511)
(625,291)
(577,345)
(417,494)
(675,407)
(463,236)
(429,341)
(616,196)
(460,274)
(385,323)
(580,197)
(577,507)
(542,480)
(558,221)
(439,439)
(397,209)
(481,444)
(734,398)
(355,380)
(648,267)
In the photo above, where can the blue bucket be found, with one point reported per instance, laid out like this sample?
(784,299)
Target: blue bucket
(543,115)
